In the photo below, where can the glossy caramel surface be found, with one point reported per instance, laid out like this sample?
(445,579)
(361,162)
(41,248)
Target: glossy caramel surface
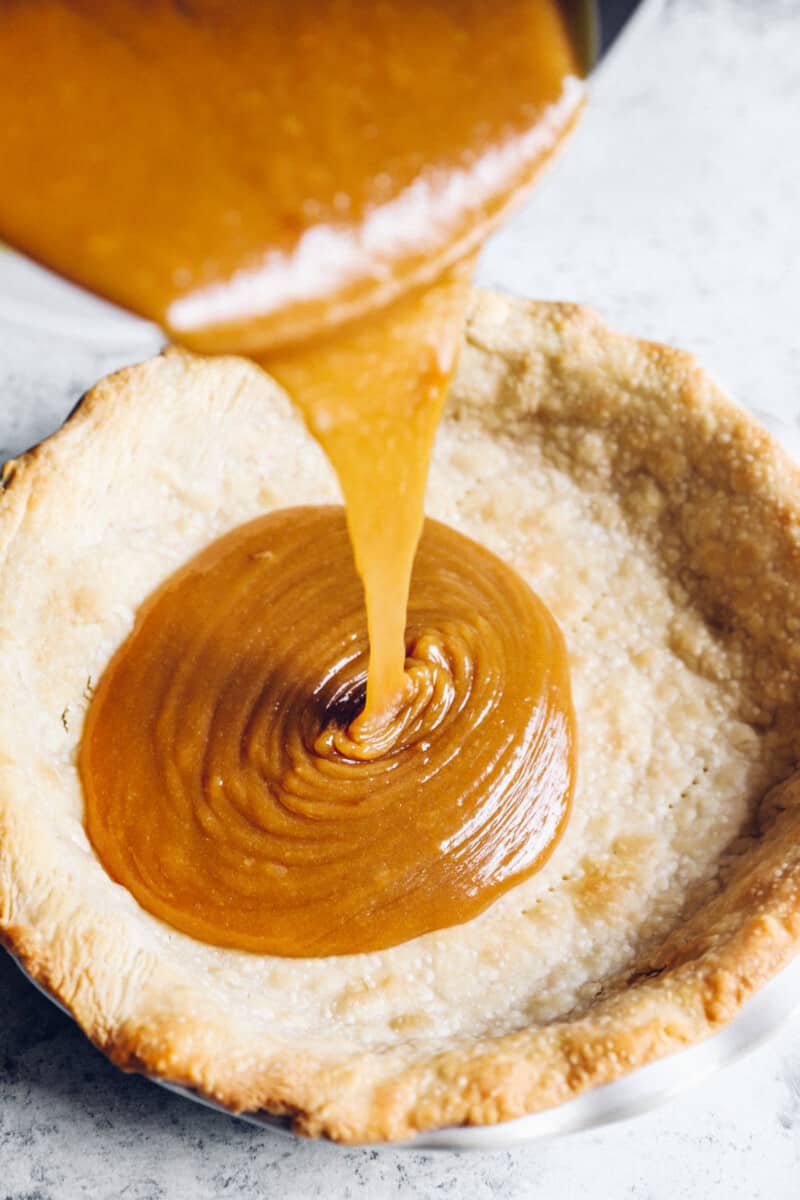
(222,784)
(243,173)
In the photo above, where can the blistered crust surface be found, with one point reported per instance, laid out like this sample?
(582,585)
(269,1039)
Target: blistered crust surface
(661,526)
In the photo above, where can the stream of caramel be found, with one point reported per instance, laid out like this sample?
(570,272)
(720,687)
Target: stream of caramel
(372,394)
(309,184)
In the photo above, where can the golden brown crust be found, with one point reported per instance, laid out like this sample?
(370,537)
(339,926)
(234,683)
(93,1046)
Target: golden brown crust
(696,483)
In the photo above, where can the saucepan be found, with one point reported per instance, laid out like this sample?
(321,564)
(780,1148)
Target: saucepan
(34,297)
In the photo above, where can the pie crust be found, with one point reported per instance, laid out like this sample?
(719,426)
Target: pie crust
(662,526)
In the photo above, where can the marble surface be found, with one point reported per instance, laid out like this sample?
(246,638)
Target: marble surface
(676,213)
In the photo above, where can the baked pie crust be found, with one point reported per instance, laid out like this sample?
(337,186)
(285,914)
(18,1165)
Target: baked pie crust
(662,527)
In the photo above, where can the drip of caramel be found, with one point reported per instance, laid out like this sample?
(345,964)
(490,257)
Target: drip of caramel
(372,395)
(223,786)
(308,183)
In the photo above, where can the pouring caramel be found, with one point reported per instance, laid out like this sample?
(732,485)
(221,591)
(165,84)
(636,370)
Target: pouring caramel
(308,184)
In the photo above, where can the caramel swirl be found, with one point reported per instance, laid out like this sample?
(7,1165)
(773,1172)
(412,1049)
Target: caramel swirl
(231,786)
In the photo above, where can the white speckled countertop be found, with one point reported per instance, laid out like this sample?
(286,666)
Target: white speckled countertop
(676,213)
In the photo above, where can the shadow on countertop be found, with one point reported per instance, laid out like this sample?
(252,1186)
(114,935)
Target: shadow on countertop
(73,1125)
(46,1062)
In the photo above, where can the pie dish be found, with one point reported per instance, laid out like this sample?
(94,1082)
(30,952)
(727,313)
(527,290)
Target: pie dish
(659,523)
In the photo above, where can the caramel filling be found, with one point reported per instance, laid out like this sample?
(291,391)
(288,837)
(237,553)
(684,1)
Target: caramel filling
(308,183)
(225,788)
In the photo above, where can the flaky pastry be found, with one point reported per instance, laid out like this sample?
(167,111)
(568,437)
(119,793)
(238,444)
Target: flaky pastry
(660,524)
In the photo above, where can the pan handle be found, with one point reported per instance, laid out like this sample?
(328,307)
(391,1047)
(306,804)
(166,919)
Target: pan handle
(612,15)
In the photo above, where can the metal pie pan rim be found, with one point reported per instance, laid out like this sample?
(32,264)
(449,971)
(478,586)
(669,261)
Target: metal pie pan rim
(638,1092)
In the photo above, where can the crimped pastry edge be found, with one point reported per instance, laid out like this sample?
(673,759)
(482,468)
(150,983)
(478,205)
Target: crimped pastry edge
(677,994)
